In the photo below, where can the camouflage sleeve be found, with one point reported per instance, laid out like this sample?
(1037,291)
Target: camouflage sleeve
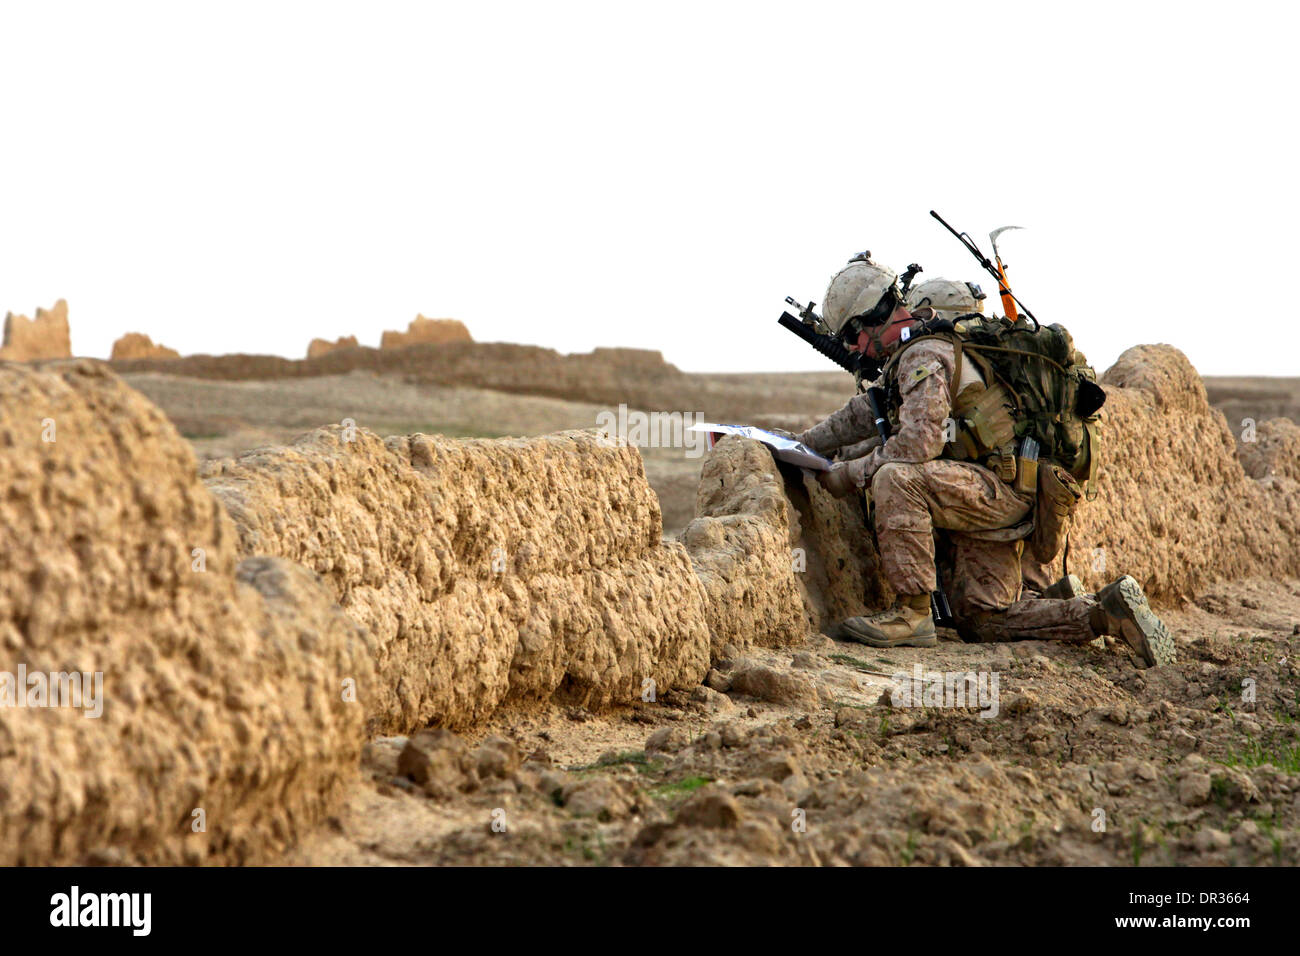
(849,452)
(924,373)
(852,423)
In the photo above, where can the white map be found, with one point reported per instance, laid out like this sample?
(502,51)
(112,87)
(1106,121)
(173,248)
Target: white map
(783,449)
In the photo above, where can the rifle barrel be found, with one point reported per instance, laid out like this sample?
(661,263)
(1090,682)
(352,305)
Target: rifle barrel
(824,344)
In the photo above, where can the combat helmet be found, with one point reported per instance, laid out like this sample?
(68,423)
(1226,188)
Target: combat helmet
(947,297)
(861,290)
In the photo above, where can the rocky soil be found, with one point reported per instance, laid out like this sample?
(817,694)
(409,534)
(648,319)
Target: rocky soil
(799,757)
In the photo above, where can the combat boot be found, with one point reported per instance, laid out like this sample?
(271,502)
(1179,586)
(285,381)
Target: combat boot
(907,624)
(1122,611)
(1068,587)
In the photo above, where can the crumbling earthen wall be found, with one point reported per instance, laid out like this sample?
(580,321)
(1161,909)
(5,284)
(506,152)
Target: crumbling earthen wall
(1176,509)
(223,683)
(743,544)
(44,337)
(136,345)
(487,570)
(1272,450)
(777,554)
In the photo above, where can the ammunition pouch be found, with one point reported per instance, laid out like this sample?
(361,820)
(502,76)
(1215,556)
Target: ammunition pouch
(986,430)
(1058,496)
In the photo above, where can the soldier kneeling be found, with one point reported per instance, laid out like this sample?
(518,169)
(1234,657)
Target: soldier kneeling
(938,374)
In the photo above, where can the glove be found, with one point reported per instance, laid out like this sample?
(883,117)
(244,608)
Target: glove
(839,481)
(784,434)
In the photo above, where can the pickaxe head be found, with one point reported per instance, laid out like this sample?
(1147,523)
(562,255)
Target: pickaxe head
(993,236)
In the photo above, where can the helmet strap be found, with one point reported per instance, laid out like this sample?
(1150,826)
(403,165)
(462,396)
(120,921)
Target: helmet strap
(882,339)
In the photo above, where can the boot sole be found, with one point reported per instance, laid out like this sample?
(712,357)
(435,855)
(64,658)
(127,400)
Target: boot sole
(1143,631)
(923,640)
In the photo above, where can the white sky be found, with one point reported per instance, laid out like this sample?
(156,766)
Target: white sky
(246,176)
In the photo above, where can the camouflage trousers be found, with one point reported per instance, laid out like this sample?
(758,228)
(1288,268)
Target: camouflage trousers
(913,500)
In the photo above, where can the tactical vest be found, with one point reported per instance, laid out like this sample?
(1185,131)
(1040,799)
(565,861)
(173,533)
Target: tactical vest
(1037,385)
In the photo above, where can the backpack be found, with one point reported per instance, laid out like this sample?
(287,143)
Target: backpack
(1037,386)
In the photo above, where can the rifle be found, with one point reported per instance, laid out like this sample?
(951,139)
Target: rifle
(855,363)
(940,610)
(827,345)
(989,267)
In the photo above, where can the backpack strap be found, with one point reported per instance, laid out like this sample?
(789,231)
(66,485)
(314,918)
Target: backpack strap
(891,367)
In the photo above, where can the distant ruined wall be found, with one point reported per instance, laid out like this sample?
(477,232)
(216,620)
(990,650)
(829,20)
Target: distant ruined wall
(222,680)
(136,345)
(319,347)
(638,378)
(423,331)
(44,337)
(486,570)
(1255,399)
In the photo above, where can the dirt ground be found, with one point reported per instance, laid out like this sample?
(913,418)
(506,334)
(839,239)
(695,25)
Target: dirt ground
(1088,760)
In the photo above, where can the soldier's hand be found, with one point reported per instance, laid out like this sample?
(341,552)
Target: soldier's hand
(838,481)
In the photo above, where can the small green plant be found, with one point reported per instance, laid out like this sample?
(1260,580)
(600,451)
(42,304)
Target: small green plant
(1285,756)
(908,853)
(1137,842)
(677,788)
(1268,827)
(1225,705)
(583,847)
(1220,791)
(848,660)
(634,758)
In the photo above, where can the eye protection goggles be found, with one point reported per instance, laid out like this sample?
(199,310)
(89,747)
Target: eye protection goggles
(878,315)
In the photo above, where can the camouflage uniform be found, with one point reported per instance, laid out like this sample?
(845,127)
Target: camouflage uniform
(916,492)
